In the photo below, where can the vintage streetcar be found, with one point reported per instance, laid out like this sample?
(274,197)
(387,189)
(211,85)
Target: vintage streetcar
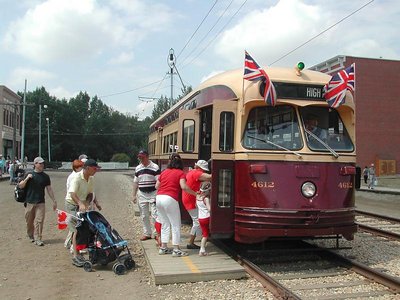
(272,174)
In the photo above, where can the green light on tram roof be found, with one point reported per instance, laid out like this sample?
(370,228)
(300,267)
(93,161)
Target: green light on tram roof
(300,65)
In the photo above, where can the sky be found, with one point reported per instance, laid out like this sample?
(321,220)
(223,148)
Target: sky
(119,49)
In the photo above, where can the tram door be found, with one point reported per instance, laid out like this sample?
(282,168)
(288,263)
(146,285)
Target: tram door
(205,133)
(223,169)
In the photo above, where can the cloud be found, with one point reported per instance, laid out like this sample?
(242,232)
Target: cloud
(79,30)
(122,58)
(269,32)
(40,77)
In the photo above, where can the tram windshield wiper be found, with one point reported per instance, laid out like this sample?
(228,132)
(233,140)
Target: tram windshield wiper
(273,144)
(334,153)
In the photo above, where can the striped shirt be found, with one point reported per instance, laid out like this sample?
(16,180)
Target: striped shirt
(146,177)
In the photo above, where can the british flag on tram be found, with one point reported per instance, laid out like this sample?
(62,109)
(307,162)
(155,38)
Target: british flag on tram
(253,72)
(335,89)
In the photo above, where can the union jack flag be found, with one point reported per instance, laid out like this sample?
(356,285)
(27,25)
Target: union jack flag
(253,72)
(335,89)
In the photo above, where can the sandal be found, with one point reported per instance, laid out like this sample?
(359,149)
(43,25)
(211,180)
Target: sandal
(203,254)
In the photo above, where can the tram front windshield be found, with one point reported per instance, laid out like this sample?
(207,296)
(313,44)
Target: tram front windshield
(324,128)
(277,128)
(272,128)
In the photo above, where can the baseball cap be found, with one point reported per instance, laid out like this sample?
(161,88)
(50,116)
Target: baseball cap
(202,164)
(38,160)
(91,163)
(143,153)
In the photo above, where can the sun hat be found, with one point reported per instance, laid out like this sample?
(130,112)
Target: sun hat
(202,164)
(38,160)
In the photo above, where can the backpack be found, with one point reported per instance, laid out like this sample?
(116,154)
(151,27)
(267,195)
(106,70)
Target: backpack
(19,194)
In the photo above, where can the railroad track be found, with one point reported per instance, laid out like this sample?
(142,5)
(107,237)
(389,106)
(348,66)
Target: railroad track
(380,225)
(305,271)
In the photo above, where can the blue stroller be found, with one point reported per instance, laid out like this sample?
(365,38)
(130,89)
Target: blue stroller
(103,243)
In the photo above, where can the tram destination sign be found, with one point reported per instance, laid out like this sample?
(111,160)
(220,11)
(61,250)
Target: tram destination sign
(299,91)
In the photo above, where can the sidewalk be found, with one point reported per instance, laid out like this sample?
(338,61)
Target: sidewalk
(381,190)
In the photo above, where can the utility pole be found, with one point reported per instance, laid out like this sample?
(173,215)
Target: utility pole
(23,125)
(171,64)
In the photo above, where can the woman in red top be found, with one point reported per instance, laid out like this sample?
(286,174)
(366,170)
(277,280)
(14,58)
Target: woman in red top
(170,184)
(193,179)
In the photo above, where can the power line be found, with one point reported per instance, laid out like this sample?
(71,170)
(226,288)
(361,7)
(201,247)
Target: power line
(319,34)
(219,32)
(216,22)
(132,90)
(197,28)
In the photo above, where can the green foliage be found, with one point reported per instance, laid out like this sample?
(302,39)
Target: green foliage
(86,125)
(120,157)
(164,103)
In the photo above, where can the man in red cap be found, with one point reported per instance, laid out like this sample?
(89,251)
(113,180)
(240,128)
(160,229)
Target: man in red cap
(144,192)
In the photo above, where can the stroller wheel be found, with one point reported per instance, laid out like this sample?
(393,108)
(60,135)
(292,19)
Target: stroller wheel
(129,263)
(87,266)
(119,268)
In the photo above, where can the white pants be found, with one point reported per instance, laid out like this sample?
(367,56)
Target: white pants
(194,214)
(170,217)
(148,211)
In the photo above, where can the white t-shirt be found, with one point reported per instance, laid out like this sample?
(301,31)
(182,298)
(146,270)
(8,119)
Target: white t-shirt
(204,213)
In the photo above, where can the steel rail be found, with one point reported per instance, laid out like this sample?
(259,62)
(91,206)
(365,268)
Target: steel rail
(273,286)
(391,282)
(366,213)
(379,232)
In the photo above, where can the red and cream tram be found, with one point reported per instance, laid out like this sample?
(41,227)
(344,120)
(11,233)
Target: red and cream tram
(273,176)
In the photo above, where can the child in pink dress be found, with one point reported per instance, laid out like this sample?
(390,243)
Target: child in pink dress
(203,205)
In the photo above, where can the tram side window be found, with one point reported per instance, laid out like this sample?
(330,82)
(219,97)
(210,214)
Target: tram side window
(326,124)
(188,136)
(226,131)
(225,188)
(272,128)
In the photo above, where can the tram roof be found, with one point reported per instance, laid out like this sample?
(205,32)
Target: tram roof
(234,80)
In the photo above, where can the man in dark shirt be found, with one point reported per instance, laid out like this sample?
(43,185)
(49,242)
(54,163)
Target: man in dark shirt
(34,185)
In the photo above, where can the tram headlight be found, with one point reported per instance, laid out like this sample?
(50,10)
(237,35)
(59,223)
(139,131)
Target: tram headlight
(308,189)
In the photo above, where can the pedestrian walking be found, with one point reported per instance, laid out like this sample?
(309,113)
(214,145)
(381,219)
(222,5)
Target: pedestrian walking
(194,178)
(80,195)
(170,184)
(35,184)
(372,177)
(71,208)
(366,174)
(144,193)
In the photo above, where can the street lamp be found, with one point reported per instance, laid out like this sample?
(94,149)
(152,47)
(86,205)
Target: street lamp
(48,138)
(40,128)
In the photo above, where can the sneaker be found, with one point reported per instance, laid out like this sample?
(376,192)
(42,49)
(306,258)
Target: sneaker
(39,243)
(163,251)
(179,253)
(192,246)
(31,238)
(78,261)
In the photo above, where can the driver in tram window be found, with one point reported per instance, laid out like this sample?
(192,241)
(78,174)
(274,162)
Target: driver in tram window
(311,124)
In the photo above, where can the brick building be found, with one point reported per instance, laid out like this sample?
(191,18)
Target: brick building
(377,109)
(10,121)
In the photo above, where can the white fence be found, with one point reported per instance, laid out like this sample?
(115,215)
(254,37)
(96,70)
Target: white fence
(103,165)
